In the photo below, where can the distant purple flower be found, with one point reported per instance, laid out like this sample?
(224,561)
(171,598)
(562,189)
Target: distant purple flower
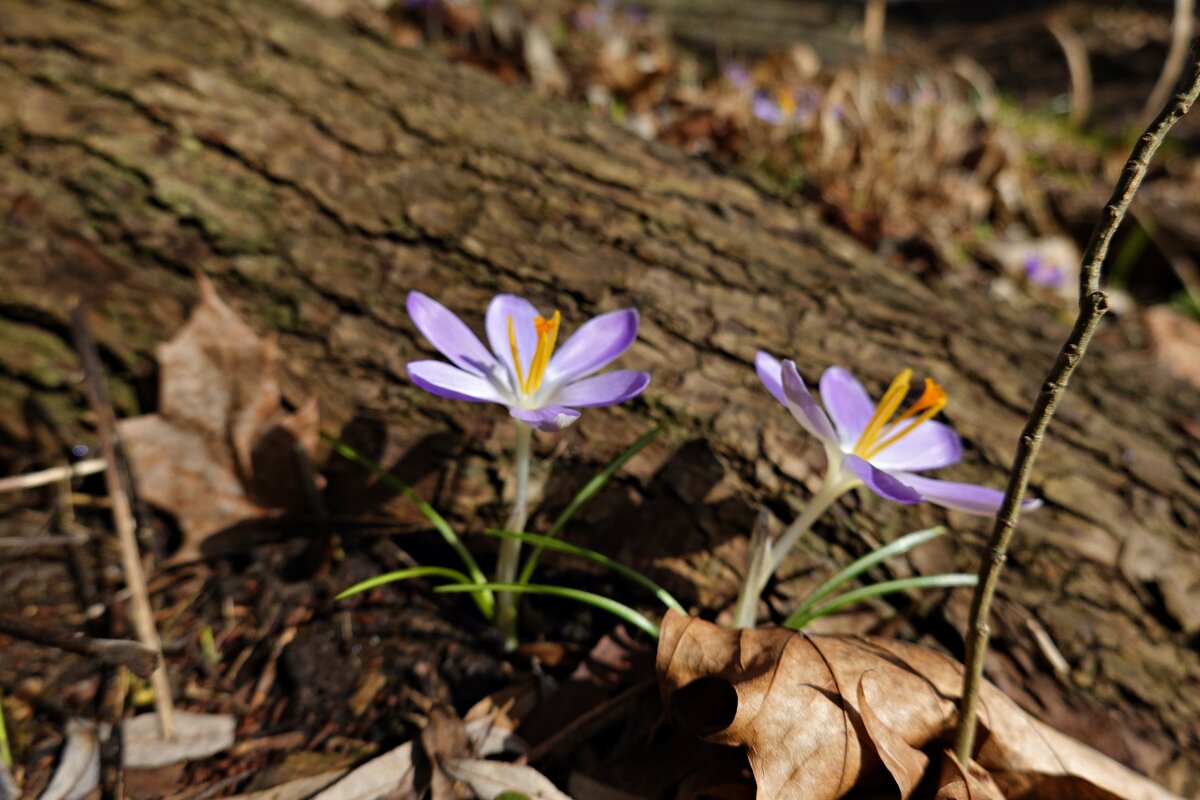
(736,73)
(868,443)
(1042,273)
(894,94)
(522,371)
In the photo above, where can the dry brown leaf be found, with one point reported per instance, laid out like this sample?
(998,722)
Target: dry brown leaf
(391,774)
(819,713)
(221,449)
(78,771)
(490,779)
(955,783)
(197,736)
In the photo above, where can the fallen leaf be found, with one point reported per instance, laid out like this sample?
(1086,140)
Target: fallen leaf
(221,449)
(443,739)
(955,783)
(389,774)
(817,714)
(197,736)
(297,789)
(78,772)
(490,779)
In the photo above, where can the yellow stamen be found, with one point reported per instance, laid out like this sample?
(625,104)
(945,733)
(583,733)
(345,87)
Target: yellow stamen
(887,406)
(928,405)
(512,343)
(787,103)
(931,402)
(547,337)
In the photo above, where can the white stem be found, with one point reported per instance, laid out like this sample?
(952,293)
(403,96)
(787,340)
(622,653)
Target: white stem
(510,549)
(766,557)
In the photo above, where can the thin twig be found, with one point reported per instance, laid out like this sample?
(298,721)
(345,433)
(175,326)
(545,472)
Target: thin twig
(1092,305)
(137,657)
(1078,67)
(141,611)
(1181,33)
(52,475)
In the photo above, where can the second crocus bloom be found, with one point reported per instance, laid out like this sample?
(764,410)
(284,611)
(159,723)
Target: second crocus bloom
(876,444)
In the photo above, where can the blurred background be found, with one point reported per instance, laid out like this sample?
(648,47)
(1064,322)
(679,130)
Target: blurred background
(970,142)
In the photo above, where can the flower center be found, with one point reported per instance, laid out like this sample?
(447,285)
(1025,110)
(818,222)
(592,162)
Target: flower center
(882,431)
(547,335)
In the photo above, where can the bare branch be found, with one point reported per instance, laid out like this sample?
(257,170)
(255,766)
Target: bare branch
(1092,304)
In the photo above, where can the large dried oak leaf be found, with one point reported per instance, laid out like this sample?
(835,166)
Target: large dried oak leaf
(819,715)
(221,451)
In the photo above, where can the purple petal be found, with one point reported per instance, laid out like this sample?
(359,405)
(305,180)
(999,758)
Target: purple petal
(847,402)
(884,484)
(522,313)
(607,389)
(968,497)
(803,407)
(597,342)
(445,380)
(932,445)
(547,418)
(770,372)
(449,334)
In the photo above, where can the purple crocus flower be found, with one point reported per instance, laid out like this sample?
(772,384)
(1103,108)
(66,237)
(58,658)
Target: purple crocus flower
(1043,273)
(522,371)
(871,444)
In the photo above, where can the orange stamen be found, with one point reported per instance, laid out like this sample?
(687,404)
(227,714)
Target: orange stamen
(931,402)
(547,337)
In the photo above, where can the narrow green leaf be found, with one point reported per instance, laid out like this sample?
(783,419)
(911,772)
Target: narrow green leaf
(620,610)
(878,590)
(633,575)
(590,490)
(404,575)
(861,565)
(485,600)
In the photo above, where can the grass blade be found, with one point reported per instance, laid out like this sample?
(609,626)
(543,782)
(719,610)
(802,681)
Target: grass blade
(620,610)
(545,542)
(858,567)
(404,575)
(878,590)
(590,490)
(484,599)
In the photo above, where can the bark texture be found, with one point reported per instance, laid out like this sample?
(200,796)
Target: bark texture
(318,175)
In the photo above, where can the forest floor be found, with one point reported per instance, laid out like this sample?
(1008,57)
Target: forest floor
(319,685)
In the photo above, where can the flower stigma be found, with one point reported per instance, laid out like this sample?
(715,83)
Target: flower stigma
(547,336)
(882,431)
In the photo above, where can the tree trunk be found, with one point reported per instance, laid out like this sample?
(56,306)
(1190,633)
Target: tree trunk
(318,175)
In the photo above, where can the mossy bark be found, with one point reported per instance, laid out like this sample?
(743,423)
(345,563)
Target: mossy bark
(318,175)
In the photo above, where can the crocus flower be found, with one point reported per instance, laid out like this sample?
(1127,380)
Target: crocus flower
(522,371)
(876,444)
(1041,272)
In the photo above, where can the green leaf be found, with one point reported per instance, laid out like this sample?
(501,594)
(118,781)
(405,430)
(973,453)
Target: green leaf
(861,565)
(590,490)
(611,606)
(485,600)
(878,590)
(405,575)
(545,542)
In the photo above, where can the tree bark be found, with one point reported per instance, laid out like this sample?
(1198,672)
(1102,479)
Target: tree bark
(318,175)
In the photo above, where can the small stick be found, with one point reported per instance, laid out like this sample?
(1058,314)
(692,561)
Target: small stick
(138,658)
(1181,33)
(45,477)
(1092,304)
(1078,67)
(141,612)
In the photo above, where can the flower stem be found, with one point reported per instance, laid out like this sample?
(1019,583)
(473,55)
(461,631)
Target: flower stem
(766,556)
(510,549)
